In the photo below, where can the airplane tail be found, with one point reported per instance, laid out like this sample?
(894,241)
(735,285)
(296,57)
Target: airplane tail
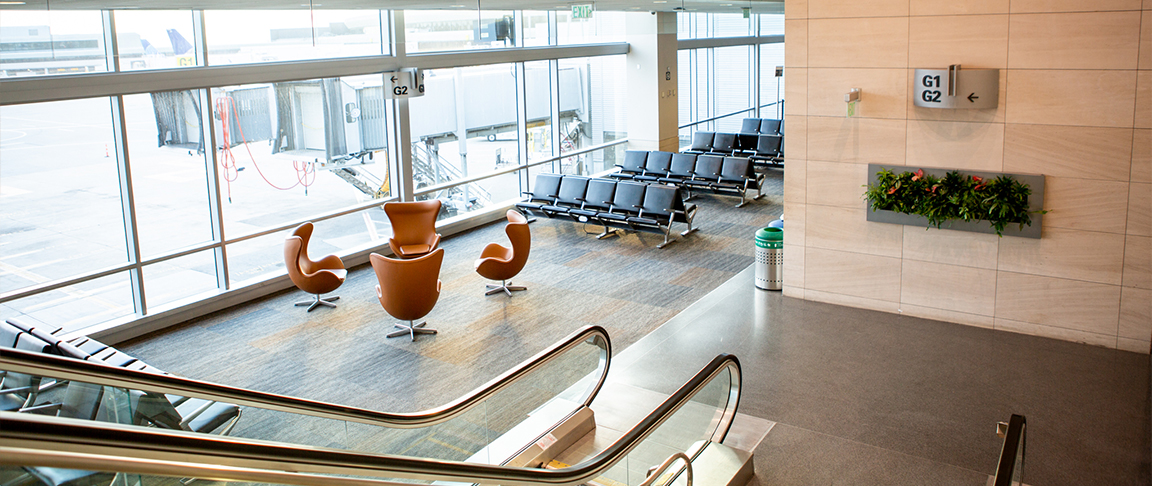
(149,49)
(180,45)
(182,48)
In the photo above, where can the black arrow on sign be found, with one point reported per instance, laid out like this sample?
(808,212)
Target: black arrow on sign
(393,79)
(972,97)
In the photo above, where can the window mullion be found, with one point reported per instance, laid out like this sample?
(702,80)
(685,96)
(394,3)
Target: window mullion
(128,204)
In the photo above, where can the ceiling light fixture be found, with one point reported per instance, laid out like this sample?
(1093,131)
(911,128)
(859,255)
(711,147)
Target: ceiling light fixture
(12,3)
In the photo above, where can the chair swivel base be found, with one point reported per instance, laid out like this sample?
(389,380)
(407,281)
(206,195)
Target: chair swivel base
(317,301)
(503,287)
(411,330)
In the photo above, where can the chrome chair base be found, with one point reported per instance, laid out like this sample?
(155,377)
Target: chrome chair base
(503,287)
(317,301)
(411,330)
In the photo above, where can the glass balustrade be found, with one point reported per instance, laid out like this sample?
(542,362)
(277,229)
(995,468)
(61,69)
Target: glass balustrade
(313,449)
(551,387)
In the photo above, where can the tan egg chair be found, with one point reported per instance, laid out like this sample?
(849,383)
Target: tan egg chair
(413,227)
(315,277)
(499,263)
(408,289)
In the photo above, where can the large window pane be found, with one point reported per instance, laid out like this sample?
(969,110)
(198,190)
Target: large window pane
(535,28)
(179,279)
(61,192)
(465,124)
(733,80)
(37,43)
(709,25)
(169,175)
(288,151)
(155,39)
(592,111)
(539,97)
(254,36)
(453,30)
(772,24)
(77,306)
(771,86)
(252,260)
(602,27)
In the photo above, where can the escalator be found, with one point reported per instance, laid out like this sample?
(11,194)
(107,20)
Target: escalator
(534,424)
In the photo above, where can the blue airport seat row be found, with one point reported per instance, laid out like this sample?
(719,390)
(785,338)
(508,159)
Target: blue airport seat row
(168,411)
(611,203)
(760,139)
(723,175)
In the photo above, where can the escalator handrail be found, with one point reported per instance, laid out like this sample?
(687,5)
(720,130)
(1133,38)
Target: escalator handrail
(39,364)
(31,440)
(1006,467)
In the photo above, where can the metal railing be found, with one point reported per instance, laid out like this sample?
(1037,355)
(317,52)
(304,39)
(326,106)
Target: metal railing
(39,364)
(30,440)
(323,216)
(1010,467)
(706,120)
(508,170)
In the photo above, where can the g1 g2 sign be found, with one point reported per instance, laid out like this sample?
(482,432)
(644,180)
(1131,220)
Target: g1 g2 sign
(954,88)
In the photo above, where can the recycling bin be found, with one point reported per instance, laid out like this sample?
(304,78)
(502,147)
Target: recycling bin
(770,258)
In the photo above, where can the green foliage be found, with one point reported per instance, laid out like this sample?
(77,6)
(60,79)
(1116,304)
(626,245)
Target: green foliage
(1001,201)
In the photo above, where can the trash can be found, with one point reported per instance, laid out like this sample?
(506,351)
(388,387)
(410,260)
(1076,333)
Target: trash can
(770,258)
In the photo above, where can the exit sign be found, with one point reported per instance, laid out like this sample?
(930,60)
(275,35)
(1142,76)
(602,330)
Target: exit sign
(582,11)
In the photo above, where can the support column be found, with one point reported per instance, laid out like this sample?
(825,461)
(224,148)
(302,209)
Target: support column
(651,81)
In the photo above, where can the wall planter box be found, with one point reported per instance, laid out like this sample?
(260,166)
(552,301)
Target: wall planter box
(1035,204)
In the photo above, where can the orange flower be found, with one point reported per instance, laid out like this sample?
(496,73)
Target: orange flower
(919,175)
(893,189)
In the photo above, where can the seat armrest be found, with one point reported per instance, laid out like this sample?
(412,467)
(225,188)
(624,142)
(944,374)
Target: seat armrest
(195,413)
(42,408)
(8,391)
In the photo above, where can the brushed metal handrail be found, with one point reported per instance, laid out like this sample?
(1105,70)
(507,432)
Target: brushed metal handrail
(39,364)
(30,440)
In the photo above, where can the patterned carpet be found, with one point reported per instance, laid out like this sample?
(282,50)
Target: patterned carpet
(340,355)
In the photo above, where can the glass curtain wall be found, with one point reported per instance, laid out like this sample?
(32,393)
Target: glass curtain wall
(718,85)
(119,207)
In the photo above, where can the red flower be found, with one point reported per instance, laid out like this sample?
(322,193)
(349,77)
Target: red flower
(977,179)
(934,188)
(893,189)
(919,175)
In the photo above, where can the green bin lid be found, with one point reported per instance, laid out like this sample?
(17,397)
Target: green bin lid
(770,234)
(770,238)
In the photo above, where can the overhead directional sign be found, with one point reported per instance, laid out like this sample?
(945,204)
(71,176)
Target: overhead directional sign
(956,88)
(406,83)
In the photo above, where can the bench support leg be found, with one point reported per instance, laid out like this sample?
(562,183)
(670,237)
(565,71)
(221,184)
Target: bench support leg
(742,200)
(690,229)
(666,240)
(607,232)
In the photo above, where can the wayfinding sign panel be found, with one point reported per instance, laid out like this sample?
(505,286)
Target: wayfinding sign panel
(956,88)
(406,83)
